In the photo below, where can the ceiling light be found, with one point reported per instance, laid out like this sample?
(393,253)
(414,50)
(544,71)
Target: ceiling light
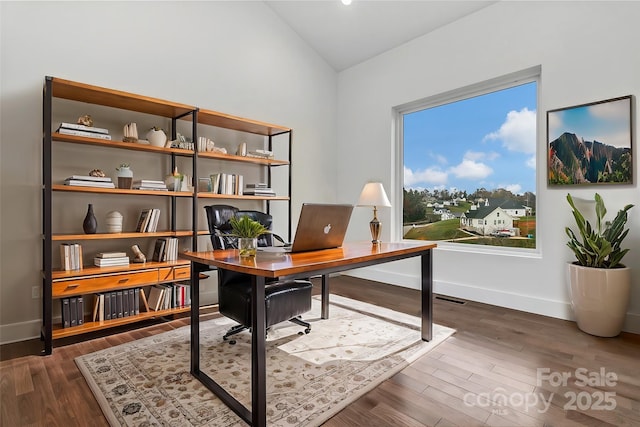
(346,2)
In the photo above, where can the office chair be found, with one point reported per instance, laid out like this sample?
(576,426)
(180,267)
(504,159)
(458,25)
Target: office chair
(284,299)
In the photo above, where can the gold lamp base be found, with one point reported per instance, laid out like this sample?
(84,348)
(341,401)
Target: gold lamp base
(375,226)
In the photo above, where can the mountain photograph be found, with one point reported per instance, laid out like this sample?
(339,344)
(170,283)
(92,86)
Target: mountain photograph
(572,160)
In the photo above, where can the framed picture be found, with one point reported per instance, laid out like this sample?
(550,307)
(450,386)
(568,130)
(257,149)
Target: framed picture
(590,143)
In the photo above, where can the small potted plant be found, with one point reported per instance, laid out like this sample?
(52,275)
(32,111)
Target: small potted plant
(247,231)
(599,284)
(125,176)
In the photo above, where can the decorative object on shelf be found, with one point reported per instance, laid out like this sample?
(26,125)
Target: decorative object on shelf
(373,194)
(174,181)
(242,149)
(90,223)
(98,173)
(156,137)
(85,120)
(114,222)
(125,176)
(247,231)
(599,285)
(140,257)
(130,132)
(184,183)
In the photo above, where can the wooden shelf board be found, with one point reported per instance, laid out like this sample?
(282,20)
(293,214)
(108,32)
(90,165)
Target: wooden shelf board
(117,99)
(119,144)
(91,270)
(227,121)
(60,332)
(78,189)
(242,197)
(130,235)
(245,159)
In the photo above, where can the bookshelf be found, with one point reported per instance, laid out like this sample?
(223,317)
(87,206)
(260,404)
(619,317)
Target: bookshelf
(59,284)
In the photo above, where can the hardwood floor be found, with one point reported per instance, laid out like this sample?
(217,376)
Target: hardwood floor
(501,367)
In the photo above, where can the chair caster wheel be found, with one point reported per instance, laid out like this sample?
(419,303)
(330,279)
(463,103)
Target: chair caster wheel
(306,331)
(300,333)
(232,342)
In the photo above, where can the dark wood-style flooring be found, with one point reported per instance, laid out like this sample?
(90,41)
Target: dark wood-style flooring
(500,368)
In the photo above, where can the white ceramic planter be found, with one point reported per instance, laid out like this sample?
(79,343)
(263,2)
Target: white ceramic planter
(114,222)
(599,298)
(157,138)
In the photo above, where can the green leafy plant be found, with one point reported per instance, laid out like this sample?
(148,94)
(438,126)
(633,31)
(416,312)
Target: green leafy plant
(246,227)
(598,247)
(122,165)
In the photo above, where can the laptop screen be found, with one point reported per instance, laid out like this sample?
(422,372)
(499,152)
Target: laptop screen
(321,226)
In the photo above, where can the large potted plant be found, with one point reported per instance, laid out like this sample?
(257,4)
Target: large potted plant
(599,284)
(247,231)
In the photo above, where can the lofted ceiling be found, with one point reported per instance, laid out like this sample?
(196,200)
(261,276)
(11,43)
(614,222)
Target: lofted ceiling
(347,35)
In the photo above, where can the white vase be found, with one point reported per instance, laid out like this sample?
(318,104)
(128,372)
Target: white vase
(114,222)
(599,298)
(157,138)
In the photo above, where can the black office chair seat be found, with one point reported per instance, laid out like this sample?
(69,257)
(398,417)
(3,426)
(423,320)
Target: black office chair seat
(284,299)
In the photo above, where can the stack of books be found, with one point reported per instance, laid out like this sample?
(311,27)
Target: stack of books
(90,181)
(82,130)
(165,249)
(148,221)
(117,304)
(111,259)
(72,311)
(149,184)
(227,183)
(261,154)
(71,256)
(259,189)
(166,296)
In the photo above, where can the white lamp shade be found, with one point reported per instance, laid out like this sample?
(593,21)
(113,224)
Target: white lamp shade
(373,195)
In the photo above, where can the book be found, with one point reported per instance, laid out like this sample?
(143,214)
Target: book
(110,262)
(81,183)
(105,255)
(149,182)
(143,219)
(136,300)
(156,295)
(65,313)
(143,298)
(119,308)
(153,222)
(80,313)
(77,126)
(73,311)
(107,306)
(90,178)
(257,185)
(65,131)
(125,303)
(65,257)
(158,250)
(114,305)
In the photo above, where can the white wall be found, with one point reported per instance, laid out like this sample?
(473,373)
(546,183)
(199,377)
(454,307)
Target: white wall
(234,57)
(586,51)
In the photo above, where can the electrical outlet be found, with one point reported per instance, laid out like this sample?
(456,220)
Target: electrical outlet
(35,292)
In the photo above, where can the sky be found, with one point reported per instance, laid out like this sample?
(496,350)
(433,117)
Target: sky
(487,141)
(606,122)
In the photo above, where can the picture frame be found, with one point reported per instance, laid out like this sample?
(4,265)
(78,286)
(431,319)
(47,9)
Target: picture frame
(591,144)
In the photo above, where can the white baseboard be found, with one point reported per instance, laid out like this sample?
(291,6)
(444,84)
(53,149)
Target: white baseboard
(526,303)
(23,331)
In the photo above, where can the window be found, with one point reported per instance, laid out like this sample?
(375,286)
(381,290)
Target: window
(474,151)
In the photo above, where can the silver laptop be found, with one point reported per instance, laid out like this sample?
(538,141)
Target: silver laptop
(320,226)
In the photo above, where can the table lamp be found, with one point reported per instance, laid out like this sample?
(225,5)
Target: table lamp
(373,195)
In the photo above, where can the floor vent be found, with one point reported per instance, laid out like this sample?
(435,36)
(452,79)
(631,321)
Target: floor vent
(449,299)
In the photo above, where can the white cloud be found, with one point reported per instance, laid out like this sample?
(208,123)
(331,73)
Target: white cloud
(433,176)
(470,169)
(531,162)
(616,111)
(514,188)
(518,132)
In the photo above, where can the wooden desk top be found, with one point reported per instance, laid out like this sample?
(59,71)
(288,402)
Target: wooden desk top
(350,255)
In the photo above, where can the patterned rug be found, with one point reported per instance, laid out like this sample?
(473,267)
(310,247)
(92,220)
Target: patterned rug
(310,377)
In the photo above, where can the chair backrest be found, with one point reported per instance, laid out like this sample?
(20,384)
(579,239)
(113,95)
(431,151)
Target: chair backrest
(218,217)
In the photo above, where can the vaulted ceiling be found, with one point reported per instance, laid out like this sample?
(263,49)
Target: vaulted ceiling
(347,35)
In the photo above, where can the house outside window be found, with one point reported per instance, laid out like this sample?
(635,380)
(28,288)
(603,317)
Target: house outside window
(472,152)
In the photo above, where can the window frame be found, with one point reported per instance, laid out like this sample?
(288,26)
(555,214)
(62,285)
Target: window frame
(506,81)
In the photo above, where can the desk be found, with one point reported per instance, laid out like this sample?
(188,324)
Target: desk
(269,265)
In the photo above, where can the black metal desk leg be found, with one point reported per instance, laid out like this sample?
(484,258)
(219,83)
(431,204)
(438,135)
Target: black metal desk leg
(427,296)
(196,268)
(325,297)
(258,354)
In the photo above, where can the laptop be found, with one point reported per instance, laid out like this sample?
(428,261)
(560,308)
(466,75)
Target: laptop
(320,226)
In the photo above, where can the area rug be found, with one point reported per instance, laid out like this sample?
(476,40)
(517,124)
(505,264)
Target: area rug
(310,377)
